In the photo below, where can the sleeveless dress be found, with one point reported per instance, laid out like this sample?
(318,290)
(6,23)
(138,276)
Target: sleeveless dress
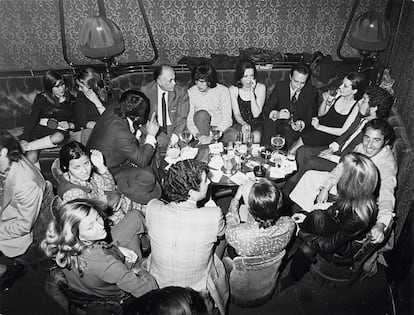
(315,138)
(246,113)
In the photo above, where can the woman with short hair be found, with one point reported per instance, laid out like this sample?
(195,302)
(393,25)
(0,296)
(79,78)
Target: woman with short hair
(265,230)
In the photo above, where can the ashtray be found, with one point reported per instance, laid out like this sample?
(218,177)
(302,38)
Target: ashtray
(259,171)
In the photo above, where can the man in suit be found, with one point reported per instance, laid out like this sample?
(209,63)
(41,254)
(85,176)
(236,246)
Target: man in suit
(290,107)
(22,188)
(376,103)
(170,104)
(117,133)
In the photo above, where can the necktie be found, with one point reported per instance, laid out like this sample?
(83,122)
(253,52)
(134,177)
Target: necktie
(293,102)
(164,113)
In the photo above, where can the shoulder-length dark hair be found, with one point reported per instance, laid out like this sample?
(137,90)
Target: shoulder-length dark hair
(241,68)
(205,71)
(52,78)
(359,83)
(71,151)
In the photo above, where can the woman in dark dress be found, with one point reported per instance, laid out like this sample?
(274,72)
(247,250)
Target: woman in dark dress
(51,117)
(90,101)
(341,228)
(336,113)
(247,98)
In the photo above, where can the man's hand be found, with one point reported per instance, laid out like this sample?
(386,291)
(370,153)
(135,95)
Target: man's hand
(130,255)
(205,139)
(244,191)
(64,125)
(326,152)
(283,114)
(152,126)
(315,122)
(273,115)
(377,232)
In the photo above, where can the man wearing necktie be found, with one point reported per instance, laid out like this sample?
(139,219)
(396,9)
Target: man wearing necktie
(290,107)
(170,104)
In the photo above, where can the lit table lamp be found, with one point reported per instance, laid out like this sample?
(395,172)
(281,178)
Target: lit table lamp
(369,34)
(100,38)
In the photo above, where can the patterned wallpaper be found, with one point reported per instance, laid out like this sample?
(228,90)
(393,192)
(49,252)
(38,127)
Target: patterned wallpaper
(30,31)
(402,70)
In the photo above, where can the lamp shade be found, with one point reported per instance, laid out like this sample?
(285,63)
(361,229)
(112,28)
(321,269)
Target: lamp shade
(100,38)
(370,31)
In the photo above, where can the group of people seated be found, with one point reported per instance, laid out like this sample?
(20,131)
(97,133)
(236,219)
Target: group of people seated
(113,196)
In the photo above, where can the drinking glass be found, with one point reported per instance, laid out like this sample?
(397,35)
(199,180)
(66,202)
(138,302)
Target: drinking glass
(186,136)
(278,142)
(216,133)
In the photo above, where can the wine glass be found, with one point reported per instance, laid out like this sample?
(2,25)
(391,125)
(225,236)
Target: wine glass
(186,136)
(278,141)
(216,133)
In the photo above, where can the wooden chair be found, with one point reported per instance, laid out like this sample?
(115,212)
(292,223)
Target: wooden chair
(335,271)
(253,279)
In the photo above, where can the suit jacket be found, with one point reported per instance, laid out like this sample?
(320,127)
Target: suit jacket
(178,106)
(112,136)
(306,105)
(24,188)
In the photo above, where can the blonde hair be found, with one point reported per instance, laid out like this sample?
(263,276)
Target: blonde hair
(357,186)
(62,237)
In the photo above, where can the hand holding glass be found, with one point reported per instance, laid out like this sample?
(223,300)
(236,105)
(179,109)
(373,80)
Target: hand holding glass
(186,136)
(278,141)
(216,133)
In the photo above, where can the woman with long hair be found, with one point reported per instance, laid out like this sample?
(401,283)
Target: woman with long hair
(247,98)
(50,119)
(77,240)
(90,100)
(339,229)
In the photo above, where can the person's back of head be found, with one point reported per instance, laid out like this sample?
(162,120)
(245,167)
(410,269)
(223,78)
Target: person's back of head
(135,106)
(182,177)
(380,98)
(173,301)
(10,143)
(356,187)
(265,201)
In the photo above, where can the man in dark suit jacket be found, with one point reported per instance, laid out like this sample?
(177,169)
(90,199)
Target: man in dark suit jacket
(290,107)
(116,135)
(176,101)
(376,103)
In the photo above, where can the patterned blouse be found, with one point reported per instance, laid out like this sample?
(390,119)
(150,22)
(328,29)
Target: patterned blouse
(248,239)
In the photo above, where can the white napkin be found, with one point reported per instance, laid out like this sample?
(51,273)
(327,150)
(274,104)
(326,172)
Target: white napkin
(216,162)
(239,178)
(215,175)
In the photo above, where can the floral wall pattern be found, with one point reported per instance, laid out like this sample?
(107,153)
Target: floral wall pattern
(30,30)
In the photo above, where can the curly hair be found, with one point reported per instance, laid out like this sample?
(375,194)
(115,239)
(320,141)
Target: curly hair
(265,200)
(62,237)
(14,150)
(380,98)
(182,177)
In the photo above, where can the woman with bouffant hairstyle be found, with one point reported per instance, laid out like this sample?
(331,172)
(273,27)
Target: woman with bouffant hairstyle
(76,239)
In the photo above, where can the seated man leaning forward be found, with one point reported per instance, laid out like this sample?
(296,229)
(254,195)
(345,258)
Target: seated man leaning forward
(117,133)
(210,104)
(264,231)
(170,104)
(22,188)
(376,144)
(290,107)
(183,235)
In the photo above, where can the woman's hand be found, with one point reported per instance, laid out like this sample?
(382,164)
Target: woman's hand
(130,255)
(253,84)
(315,122)
(97,159)
(323,195)
(92,96)
(64,125)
